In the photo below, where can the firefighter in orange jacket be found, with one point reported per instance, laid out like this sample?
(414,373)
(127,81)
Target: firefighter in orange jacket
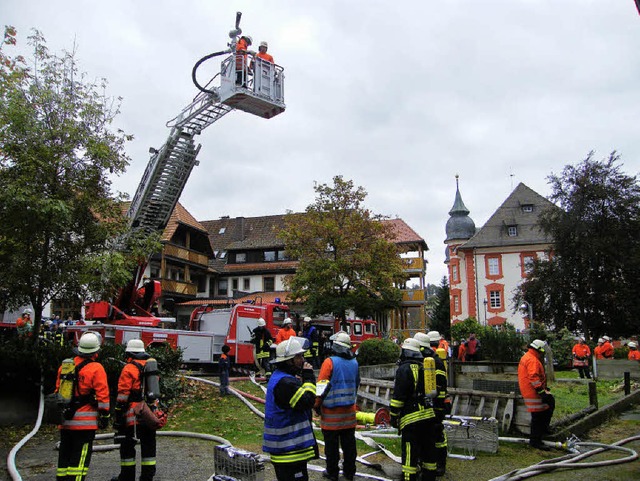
(581,353)
(286,332)
(607,348)
(242,48)
(537,397)
(130,393)
(89,411)
(634,354)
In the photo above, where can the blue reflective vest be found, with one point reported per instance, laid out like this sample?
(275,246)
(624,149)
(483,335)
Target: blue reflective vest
(344,378)
(288,435)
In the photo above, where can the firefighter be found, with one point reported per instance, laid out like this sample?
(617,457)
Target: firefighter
(242,49)
(537,397)
(90,411)
(581,353)
(310,333)
(262,52)
(634,354)
(262,339)
(607,348)
(286,331)
(412,413)
(597,351)
(339,374)
(291,394)
(130,393)
(443,344)
(429,344)
(24,324)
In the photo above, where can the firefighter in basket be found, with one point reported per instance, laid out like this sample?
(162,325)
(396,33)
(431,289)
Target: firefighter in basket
(137,414)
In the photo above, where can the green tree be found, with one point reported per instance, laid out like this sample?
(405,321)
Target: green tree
(441,317)
(347,258)
(589,284)
(57,149)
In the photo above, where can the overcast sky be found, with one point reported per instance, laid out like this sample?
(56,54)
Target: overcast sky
(397,96)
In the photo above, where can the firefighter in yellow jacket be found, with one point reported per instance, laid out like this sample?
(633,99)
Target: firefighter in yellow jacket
(537,397)
(130,393)
(412,413)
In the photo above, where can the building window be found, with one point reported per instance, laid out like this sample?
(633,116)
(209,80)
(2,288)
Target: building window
(454,274)
(241,257)
(234,284)
(222,229)
(495,299)
(526,262)
(223,255)
(513,231)
(493,267)
(223,287)
(269,256)
(282,256)
(269,284)
(246,283)
(527,208)
(456,304)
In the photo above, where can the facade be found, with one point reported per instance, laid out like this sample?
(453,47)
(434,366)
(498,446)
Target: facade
(487,265)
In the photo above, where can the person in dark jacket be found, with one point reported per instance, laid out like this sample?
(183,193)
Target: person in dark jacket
(291,394)
(413,415)
(262,339)
(337,391)
(224,365)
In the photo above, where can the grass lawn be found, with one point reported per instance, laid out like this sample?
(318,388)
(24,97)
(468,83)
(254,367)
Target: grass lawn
(202,409)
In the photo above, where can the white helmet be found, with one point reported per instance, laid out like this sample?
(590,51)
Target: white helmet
(89,343)
(600,340)
(288,349)
(341,338)
(249,39)
(633,345)
(434,336)
(264,44)
(538,345)
(411,344)
(261,322)
(27,311)
(307,319)
(286,322)
(606,338)
(135,346)
(422,338)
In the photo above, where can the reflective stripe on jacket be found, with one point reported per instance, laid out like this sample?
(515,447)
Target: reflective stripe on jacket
(532,378)
(338,410)
(288,434)
(92,381)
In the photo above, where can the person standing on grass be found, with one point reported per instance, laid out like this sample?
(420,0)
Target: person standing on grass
(224,364)
(581,353)
(338,383)
(291,394)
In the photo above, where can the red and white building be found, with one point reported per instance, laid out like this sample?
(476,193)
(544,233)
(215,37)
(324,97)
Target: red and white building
(486,265)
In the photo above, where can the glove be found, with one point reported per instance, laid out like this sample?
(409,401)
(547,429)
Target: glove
(103,419)
(546,397)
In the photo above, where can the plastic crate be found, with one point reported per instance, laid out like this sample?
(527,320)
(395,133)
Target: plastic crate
(471,434)
(238,463)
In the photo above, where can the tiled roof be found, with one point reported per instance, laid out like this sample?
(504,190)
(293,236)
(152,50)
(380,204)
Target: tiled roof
(180,215)
(404,233)
(495,232)
(264,296)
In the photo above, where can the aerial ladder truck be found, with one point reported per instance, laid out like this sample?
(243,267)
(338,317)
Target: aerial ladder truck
(260,93)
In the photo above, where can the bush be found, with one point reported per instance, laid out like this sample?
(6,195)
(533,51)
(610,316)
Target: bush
(22,363)
(378,351)
(502,344)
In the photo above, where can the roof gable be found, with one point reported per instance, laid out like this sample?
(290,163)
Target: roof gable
(520,210)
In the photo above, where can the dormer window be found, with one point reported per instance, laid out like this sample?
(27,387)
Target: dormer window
(241,257)
(512,231)
(527,208)
(222,230)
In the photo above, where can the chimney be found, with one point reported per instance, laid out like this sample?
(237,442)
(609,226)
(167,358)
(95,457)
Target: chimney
(239,229)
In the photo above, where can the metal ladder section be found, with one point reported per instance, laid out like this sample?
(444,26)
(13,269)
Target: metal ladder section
(169,168)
